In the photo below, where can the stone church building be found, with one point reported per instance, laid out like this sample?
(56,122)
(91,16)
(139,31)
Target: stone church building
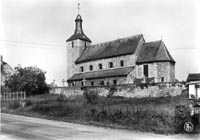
(123,61)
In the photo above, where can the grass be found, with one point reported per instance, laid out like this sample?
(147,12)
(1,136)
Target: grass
(154,114)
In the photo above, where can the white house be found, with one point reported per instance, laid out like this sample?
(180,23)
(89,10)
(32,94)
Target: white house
(193,82)
(5,71)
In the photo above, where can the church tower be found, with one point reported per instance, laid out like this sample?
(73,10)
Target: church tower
(75,45)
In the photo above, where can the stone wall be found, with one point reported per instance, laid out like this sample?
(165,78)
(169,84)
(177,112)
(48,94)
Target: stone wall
(67,91)
(129,91)
(73,52)
(158,70)
(129,60)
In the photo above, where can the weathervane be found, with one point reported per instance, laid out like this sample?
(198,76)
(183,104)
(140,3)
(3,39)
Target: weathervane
(78,7)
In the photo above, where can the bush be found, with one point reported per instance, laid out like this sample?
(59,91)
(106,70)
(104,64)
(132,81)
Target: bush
(28,103)
(182,114)
(91,96)
(61,99)
(14,104)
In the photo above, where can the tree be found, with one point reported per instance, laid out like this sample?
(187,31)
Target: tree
(28,79)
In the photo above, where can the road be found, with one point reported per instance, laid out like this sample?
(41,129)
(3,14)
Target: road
(14,127)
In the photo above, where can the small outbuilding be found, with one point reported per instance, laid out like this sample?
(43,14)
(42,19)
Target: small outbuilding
(193,82)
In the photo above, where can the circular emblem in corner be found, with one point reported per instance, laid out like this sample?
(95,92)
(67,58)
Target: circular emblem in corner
(188,127)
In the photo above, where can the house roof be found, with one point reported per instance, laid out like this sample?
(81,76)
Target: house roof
(114,48)
(154,52)
(101,74)
(193,77)
(6,68)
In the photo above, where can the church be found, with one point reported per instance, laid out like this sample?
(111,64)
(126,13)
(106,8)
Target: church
(128,60)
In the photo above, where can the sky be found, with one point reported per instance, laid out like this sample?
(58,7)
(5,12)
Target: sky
(33,32)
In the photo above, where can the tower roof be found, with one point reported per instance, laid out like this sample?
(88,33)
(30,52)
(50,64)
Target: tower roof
(78,33)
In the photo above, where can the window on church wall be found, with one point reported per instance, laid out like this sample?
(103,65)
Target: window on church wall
(102,83)
(162,79)
(107,83)
(82,84)
(100,66)
(72,44)
(121,63)
(81,69)
(110,64)
(92,83)
(90,67)
(145,70)
(114,82)
(85,43)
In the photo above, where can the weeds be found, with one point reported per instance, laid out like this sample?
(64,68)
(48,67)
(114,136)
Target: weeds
(145,114)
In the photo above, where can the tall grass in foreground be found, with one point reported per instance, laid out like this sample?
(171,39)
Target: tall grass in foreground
(154,114)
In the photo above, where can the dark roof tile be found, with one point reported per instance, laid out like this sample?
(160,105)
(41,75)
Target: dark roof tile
(101,74)
(193,77)
(154,52)
(110,49)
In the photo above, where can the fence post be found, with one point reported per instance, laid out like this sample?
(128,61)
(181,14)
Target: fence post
(24,95)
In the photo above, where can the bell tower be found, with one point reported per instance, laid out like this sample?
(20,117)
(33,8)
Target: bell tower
(75,45)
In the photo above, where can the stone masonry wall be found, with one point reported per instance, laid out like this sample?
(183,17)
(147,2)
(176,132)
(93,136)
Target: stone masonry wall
(129,91)
(129,60)
(158,70)
(72,54)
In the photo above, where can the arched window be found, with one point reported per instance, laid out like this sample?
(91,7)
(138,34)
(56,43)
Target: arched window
(121,63)
(92,83)
(72,44)
(91,67)
(81,69)
(114,82)
(100,66)
(145,70)
(162,79)
(110,64)
(107,83)
(82,84)
(102,83)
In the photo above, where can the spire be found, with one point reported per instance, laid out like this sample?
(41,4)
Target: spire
(78,33)
(78,8)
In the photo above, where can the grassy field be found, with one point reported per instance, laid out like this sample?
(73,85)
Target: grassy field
(145,114)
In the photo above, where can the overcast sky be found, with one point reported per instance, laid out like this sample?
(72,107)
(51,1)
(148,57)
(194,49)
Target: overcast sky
(33,32)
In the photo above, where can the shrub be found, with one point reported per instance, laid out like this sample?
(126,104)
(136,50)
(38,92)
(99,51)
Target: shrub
(116,116)
(91,96)
(112,89)
(102,115)
(61,99)
(14,104)
(182,114)
(28,103)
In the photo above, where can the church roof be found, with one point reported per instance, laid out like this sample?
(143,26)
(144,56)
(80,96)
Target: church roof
(154,52)
(114,48)
(101,74)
